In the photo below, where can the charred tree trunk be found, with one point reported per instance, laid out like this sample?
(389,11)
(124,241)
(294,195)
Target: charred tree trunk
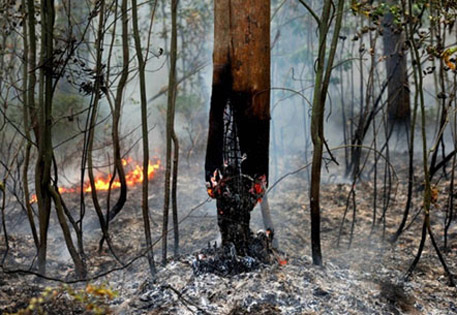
(398,103)
(239,125)
(427,196)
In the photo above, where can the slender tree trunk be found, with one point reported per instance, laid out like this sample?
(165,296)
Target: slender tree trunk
(409,195)
(174,193)
(94,115)
(5,232)
(317,124)
(28,148)
(170,135)
(44,160)
(119,168)
(322,80)
(93,121)
(79,263)
(32,68)
(116,113)
(441,124)
(174,137)
(427,196)
(144,128)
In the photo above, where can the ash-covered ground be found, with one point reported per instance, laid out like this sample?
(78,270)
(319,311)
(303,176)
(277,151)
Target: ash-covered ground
(365,278)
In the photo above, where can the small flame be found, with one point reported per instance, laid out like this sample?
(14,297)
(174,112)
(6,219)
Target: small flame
(102,182)
(33,199)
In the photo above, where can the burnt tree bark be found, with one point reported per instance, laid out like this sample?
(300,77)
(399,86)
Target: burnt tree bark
(398,103)
(239,124)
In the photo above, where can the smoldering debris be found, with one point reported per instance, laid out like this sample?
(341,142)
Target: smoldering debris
(225,261)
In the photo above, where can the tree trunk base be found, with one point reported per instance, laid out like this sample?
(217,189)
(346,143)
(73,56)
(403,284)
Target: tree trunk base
(236,196)
(227,261)
(234,226)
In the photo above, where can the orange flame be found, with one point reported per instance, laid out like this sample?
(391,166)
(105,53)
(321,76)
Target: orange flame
(102,183)
(33,199)
(132,178)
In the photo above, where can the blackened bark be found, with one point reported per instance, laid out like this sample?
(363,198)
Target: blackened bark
(253,133)
(219,98)
(233,223)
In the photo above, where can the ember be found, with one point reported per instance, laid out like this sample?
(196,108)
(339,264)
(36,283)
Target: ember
(102,182)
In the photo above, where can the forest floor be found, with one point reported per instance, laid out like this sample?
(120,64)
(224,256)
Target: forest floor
(364,277)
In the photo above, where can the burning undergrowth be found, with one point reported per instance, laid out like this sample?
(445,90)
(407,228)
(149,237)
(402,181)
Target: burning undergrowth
(366,278)
(106,182)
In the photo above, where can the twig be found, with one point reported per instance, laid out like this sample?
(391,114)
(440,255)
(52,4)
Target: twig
(313,14)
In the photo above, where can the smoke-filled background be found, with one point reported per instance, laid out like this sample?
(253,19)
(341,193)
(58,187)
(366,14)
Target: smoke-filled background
(392,88)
